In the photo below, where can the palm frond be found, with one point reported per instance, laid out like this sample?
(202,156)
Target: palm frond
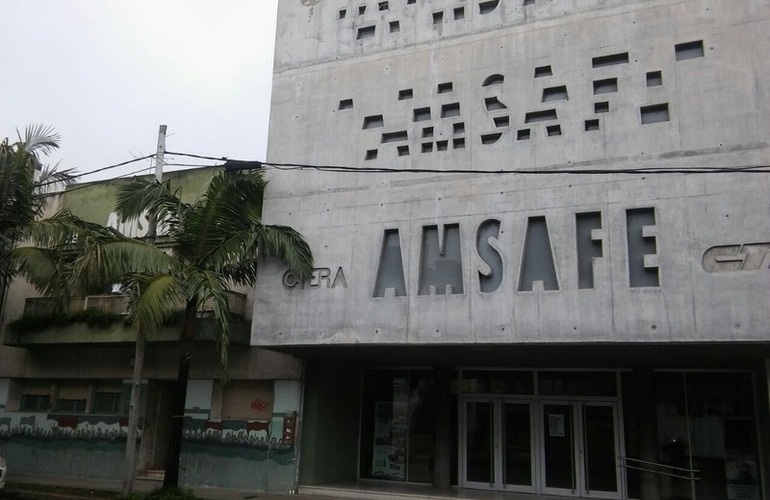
(286,244)
(39,138)
(45,269)
(211,288)
(102,262)
(142,195)
(231,205)
(154,298)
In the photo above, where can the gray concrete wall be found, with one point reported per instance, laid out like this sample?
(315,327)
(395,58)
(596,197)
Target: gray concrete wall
(336,102)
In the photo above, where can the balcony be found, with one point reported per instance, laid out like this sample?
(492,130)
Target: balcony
(101,319)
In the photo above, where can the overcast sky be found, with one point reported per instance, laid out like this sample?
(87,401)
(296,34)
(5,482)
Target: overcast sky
(106,74)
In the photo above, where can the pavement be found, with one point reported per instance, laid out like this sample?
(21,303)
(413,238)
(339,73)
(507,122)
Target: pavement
(65,488)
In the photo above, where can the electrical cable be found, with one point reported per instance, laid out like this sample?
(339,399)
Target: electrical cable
(102,169)
(570,171)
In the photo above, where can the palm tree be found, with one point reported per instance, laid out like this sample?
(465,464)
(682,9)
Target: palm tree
(215,243)
(203,249)
(24,183)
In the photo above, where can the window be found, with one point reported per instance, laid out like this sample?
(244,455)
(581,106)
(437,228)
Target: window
(107,402)
(35,402)
(72,396)
(71,405)
(397,425)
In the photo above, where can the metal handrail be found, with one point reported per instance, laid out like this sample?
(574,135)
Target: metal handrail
(691,475)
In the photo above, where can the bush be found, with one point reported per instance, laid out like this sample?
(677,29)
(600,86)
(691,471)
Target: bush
(94,318)
(171,494)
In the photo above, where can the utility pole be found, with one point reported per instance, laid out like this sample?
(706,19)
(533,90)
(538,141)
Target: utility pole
(141,342)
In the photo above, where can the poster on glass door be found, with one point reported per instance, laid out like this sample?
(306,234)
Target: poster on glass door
(389,453)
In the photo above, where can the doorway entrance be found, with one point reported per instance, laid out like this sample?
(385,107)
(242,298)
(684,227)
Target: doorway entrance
(499,445)
(559,447)
(579,446)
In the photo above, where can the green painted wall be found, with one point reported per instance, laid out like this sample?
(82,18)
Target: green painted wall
(329,452)
(94,202)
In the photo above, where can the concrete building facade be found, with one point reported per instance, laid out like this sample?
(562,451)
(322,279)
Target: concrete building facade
(542,243)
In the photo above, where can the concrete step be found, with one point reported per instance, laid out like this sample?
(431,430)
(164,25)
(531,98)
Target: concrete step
(152,474)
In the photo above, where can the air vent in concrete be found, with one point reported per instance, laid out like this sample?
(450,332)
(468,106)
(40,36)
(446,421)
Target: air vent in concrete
(555,94)
(401,135)
(493,104)
(655,113)
(488,6)
(610,60)
(605,86)
(491,138)
(365,32)
(373,121)
(421,114)
(449,110)
(542,71)
(540,116)
(496,79)
(689,50)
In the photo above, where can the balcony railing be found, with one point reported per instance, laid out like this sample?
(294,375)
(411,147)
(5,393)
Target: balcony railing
(118,304)
(89,330)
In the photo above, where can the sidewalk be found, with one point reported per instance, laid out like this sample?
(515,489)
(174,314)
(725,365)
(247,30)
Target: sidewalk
(101,488)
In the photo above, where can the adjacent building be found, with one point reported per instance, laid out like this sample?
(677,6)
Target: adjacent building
(65,382)
(529,277)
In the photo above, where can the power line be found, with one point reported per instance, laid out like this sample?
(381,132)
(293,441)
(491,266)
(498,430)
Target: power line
(569,171)
(253,164)
(116,165)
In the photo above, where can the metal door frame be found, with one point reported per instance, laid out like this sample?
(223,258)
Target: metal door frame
(578,447)
(497,406)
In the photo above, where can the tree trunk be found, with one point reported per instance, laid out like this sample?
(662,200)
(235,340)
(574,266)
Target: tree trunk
(133,418)
(171,476)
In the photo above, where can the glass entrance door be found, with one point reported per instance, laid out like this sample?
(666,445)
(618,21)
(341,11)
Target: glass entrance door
(580,446)
(498,445)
